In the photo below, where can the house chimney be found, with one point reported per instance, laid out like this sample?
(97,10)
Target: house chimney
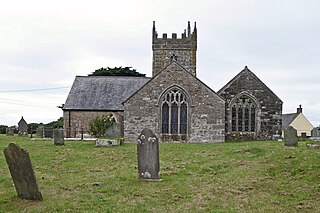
(299,110)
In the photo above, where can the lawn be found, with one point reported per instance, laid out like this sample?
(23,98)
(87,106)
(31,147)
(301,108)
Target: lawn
(227,177)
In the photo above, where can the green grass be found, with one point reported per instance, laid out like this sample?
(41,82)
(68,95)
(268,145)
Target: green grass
(226,177)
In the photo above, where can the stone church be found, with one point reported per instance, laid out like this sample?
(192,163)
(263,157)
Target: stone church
(174,103)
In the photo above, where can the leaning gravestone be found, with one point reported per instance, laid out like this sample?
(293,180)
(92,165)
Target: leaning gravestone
(10,131)
(58,137)
(290,137)
(22,172)
(148,156)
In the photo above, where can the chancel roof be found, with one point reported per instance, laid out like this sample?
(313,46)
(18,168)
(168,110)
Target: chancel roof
(102,92)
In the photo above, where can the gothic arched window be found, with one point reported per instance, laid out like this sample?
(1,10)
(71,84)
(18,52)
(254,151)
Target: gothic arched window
(243,114)
(174,112)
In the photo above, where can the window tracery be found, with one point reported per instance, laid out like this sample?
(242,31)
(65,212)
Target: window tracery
(243,114)
(174,112)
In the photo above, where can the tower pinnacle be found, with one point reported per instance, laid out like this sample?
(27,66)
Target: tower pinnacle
(182,50)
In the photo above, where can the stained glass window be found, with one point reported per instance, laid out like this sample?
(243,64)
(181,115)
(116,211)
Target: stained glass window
(174,112)
(174,118)
(165,118)
(183,118)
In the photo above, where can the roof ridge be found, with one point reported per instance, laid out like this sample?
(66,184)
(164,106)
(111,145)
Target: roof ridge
(236,77)
(172,63)
(111,76)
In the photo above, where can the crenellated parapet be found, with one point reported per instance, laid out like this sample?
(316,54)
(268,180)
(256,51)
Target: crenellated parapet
(182,49)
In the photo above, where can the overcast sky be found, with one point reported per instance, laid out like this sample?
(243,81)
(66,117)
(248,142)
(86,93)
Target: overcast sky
(45,44)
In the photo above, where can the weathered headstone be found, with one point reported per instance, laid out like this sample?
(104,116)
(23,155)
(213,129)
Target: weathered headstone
(48,133)
(22,173)
(114,130)
(10,131)
(148,156)
(315,132)
(22,127)
(58,137)
(40,130)
(290,137)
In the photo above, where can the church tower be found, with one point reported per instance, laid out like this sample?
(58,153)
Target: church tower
(183,50)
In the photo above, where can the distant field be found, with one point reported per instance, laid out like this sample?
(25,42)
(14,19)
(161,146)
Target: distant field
(227,177)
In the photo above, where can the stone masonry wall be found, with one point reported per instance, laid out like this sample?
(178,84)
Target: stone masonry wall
(78,120)
(270,111)
(206,120)
(183,49)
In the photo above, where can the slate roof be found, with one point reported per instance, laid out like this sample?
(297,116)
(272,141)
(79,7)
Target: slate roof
(287,119)
(96,93)
(22,122)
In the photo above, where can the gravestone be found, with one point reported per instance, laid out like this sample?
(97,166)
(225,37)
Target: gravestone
(48,133)
(58,137)
(40,130)
(114,130)
(22,173)
(10,131)
(315,132)
(22,127)
(148,156)
(290,137)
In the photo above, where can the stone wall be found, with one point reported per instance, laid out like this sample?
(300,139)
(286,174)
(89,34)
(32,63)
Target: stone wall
(183,50)
(206,115)
(270,110)
(76,121)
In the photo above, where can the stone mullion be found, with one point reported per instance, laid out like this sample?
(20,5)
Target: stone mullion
(169,127)
(179,118)
(249,127)
(237,117)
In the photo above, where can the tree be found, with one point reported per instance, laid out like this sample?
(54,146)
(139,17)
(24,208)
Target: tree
(3,129)
(117,71)
(99,125)
(32,127)
(55,124)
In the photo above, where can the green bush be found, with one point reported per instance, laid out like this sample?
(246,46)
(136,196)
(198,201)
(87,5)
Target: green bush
(3,129)
(100,124)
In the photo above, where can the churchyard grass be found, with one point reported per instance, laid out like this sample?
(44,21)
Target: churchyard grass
(227,177)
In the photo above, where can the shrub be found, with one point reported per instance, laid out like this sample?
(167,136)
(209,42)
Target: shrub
(100,124)
(3,129)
